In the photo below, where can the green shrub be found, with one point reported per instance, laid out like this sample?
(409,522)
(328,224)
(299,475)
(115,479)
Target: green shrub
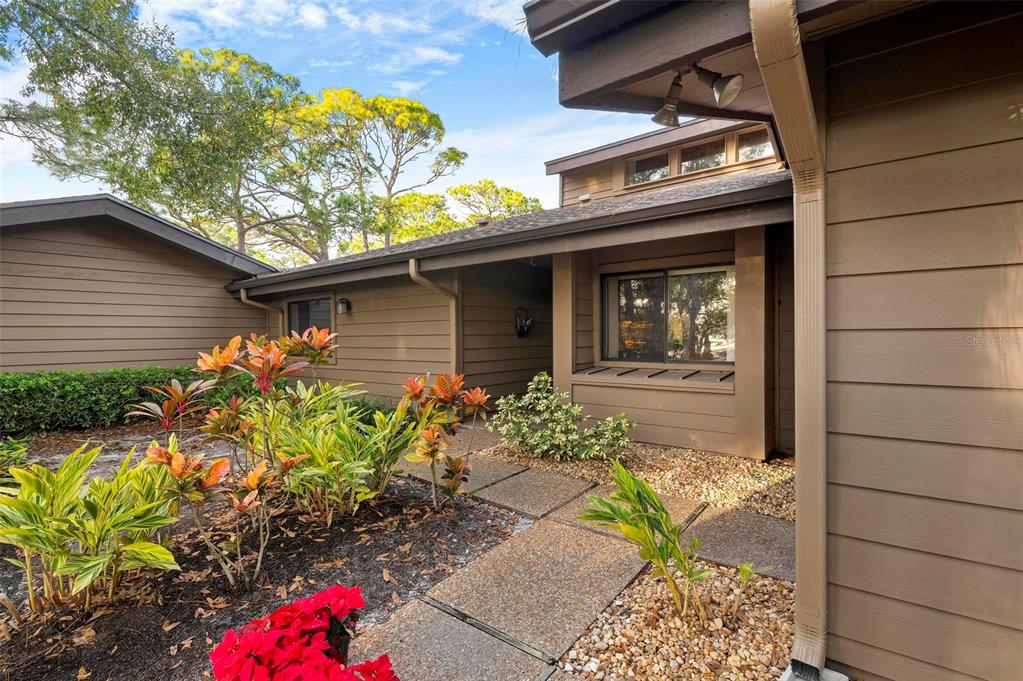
(544,423)
(67,400)
(12,455)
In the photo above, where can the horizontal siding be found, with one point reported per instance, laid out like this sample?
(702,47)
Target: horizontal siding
(396,329)
(595,181)
(493,355)
(925,359)
(93,294)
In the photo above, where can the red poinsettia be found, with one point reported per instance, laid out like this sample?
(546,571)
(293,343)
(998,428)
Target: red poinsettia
(306,640)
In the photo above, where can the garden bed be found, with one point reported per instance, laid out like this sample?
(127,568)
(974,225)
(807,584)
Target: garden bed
(723,481)
(393,548)
(640,635)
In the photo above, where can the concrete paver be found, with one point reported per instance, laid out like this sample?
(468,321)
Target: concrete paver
(679,508)
(535,491)
(425,644)
(732,536)
(543,586)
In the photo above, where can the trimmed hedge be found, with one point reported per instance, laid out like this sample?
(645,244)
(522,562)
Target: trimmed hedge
(68,400)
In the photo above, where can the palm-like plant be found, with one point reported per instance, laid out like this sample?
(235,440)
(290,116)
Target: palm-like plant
(638,513)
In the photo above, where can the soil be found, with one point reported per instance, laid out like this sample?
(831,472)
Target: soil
(165,624)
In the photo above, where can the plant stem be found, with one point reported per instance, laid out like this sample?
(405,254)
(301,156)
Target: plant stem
(29,581)
(433,488)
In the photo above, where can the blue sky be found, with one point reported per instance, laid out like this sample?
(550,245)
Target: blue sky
(469,60)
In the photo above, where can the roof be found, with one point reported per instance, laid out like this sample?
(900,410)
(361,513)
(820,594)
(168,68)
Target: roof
(750,186)
(23,213)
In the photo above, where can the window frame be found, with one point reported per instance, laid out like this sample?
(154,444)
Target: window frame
(675,156)
(327,295)
(670,154)
(665,272)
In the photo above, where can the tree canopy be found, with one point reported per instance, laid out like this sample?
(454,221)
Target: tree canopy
(226,145)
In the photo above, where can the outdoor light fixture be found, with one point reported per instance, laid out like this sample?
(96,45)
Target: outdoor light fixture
(725,88)
(344,306)
(667,115)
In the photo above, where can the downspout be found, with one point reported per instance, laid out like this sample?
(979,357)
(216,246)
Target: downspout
(455,311)
(779,53)
(244,296)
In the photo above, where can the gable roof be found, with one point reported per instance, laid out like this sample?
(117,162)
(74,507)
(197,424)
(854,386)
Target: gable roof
(746,187)
(22,213)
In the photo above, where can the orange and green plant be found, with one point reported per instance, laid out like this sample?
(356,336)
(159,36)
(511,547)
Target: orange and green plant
(315,345)
(444,405)
(177,402)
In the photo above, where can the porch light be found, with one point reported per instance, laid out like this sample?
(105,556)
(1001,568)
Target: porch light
(344,306)
(725,88)
(667,115)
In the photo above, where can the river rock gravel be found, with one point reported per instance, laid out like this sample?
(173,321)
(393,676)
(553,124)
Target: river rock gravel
(640,636)
(719,480)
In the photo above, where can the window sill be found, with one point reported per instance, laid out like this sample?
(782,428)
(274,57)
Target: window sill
(683,380)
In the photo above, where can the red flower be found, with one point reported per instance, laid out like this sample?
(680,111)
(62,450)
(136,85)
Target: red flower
(446,388)
(292,644)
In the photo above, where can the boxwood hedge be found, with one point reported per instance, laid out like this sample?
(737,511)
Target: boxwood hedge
(67,400)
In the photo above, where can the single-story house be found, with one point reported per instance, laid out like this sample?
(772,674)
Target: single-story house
(668,297)
(902,125)
(92,282)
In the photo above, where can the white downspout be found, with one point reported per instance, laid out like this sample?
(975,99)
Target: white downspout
(244,296)
(779,53)
(452,296)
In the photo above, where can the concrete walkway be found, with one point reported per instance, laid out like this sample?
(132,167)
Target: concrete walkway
(518,608)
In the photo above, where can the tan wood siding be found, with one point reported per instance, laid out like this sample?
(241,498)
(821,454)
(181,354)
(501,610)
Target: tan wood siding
(925,346)
(594,180)
(493,356)
(95,294)
(395,329)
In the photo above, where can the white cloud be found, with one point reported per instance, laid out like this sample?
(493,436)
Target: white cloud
(312,16)
(423,54)
(347,17)
(505,13)
(385,24)
(407,87)
(331,64)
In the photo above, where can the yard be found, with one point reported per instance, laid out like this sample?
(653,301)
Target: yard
(243,505)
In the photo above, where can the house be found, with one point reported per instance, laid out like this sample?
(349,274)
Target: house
(662,287)
(92,282)
(902,124)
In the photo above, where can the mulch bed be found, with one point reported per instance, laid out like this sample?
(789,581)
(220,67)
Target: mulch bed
(393,548)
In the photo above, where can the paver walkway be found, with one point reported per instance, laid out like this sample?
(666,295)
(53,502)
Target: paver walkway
(518,608)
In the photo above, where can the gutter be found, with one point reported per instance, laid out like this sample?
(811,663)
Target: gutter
(779,53)
(455,311)
(244,296)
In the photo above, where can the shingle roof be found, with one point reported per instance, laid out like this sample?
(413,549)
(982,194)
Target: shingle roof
(536,224)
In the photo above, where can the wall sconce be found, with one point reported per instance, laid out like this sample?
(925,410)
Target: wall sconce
(344,306)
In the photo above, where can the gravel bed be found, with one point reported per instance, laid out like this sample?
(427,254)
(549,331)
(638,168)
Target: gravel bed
(640,635)
(719,480)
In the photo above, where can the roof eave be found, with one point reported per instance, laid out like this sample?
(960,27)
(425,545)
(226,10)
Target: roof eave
(765,193)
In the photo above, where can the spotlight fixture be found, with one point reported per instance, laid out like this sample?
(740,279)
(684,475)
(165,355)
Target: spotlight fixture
(725,88)
(667,115)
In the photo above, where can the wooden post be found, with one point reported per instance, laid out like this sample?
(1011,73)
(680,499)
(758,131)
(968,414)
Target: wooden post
(563,313)
(750,352)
